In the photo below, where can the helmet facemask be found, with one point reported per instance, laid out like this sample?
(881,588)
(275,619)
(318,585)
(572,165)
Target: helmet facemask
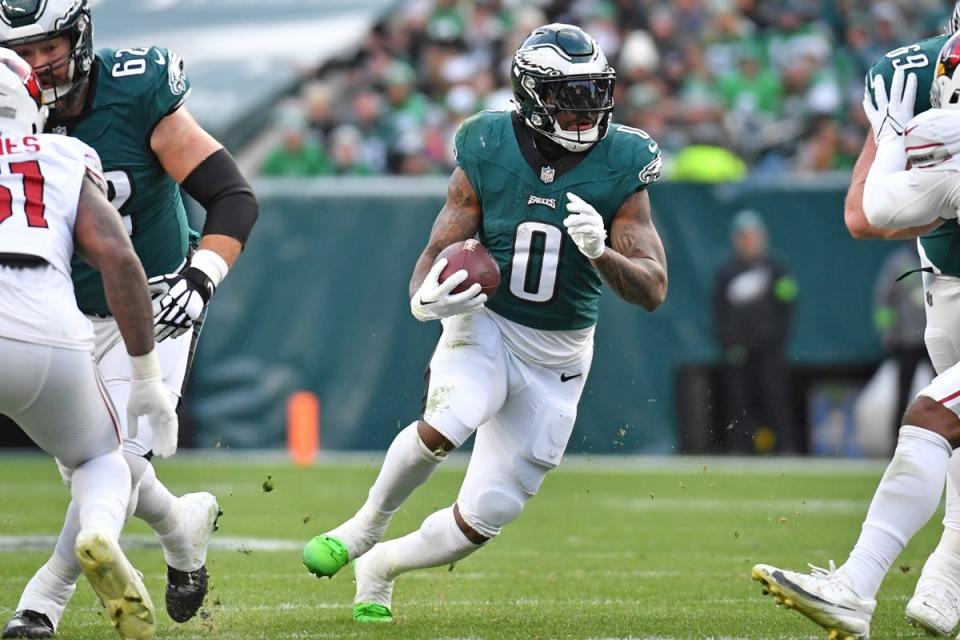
(574,110)
(954,25)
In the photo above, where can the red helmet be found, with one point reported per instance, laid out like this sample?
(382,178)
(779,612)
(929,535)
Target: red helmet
(21,97)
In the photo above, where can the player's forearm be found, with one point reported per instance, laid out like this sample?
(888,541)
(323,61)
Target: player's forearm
(125,286)
(232,207)
(853,215)
(226,247)
(641,281)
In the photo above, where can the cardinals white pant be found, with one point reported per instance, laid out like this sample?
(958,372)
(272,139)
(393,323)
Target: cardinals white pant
(58,399)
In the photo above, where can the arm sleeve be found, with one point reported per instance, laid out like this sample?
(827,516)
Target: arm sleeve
(899,199)
(226,196)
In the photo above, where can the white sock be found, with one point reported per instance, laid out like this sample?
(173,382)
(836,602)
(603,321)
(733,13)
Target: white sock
(407,465)
(907,497)
(52,586)
(101,489)
(944,563)
(155,504)
(437,542)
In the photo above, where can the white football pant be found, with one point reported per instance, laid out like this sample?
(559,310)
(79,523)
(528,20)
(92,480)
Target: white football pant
(523,414)
(58,399)
(114,363)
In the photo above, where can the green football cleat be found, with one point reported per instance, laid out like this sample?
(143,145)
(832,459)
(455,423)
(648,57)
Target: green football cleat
(324,556)
(363,612)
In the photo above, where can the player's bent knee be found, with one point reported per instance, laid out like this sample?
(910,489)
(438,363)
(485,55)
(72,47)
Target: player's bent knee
(495,508)
(927,413)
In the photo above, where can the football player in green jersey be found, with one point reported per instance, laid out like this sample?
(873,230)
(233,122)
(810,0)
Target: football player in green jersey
(128,104)
(887,202)
(512,368)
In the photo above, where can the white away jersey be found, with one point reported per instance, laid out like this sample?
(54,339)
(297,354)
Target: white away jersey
(40,180)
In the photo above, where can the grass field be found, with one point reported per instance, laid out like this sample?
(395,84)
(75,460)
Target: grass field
(644,549)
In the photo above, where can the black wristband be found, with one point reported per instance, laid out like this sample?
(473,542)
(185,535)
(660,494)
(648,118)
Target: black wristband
(220,188)
(201,281)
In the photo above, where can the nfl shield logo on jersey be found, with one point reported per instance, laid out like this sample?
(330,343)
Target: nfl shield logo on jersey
(546,174)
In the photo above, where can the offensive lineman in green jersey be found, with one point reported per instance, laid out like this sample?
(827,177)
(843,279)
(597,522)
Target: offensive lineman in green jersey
(513,369)
(128,105)
(843,600)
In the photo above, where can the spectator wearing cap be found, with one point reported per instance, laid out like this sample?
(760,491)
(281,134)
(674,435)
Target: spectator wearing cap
(753,297)
(299,153)
(346,152)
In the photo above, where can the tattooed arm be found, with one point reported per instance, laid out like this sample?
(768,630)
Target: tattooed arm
(458,220)
(636,267)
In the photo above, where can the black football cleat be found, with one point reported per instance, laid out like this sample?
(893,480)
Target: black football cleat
(185,592)
(28,624)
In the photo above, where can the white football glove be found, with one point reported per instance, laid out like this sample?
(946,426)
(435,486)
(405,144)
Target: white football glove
(180,298)
(149,398)
(433,299)
(585,227)
(892,113)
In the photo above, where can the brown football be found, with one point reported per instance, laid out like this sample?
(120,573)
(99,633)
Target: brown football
(480,266)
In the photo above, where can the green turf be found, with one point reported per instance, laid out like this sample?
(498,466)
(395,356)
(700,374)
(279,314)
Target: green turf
(636,550)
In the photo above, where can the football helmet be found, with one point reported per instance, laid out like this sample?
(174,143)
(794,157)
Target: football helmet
(563,85)
(29,21)
(21,108)
(945,90)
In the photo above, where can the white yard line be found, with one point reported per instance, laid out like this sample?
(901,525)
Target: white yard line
(46,543)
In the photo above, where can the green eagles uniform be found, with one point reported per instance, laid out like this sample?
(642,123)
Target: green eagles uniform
(546,283)
(131,90)
(942,245)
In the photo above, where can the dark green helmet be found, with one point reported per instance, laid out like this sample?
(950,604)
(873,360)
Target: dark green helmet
(560,70)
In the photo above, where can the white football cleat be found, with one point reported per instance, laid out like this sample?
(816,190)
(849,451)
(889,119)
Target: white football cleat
(823,595)
(118,585)
(935,606)
(185,548)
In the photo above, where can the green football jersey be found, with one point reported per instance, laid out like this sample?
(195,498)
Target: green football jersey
(131,90)
(942,245)
(546,283)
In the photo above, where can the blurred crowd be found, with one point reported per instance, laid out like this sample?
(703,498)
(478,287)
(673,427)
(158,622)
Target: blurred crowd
(727,87)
